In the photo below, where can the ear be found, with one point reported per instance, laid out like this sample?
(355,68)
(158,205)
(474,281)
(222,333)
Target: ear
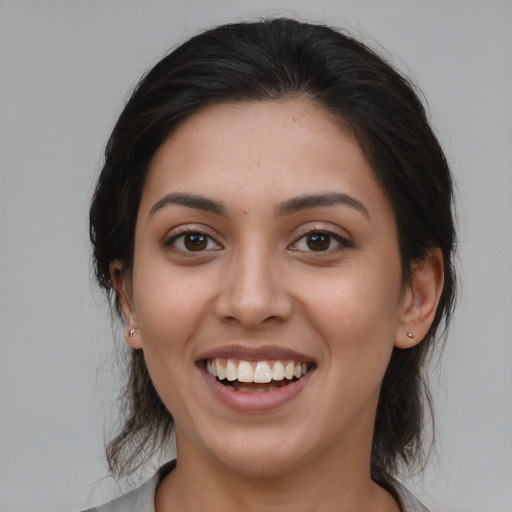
(122,282)
(421,298)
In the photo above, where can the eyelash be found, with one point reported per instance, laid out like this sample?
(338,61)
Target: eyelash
(172,241)
(342,242)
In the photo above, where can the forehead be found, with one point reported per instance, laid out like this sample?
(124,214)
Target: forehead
(265,150)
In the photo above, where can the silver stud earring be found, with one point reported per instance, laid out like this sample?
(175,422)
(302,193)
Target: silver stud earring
(131,332)
(410,335)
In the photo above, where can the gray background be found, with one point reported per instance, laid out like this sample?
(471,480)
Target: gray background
(65,70)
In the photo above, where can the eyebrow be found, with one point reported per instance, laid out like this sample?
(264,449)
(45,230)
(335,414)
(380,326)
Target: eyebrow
(190,200)
(288,207)
(297,204)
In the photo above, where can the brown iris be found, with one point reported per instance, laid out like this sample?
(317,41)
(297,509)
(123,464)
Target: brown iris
(318,241)
(195,241)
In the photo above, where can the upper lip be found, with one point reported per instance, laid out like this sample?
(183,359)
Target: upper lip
(260,353)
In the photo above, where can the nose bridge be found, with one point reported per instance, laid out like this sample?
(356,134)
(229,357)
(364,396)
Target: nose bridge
(253,292)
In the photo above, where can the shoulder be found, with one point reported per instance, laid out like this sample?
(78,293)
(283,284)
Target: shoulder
(408,502)
(141,499)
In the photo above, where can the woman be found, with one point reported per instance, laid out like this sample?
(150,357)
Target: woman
(274,225)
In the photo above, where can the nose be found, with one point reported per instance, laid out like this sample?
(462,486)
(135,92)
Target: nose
(254,292)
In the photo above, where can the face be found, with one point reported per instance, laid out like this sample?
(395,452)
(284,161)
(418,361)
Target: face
(266,289)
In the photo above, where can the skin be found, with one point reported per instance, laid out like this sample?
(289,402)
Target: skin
(258,283)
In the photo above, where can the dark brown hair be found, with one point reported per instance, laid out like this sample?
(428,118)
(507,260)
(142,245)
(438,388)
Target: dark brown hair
(263,61)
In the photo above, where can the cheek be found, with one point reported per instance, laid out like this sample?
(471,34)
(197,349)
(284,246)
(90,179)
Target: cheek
(169,307)
(357,316)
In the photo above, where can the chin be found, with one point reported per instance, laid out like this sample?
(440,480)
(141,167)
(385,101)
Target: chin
(264,455)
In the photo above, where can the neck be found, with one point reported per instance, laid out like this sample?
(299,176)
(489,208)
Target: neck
(336,481)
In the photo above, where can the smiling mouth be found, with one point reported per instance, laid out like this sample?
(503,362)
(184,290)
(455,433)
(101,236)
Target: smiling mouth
(256,376)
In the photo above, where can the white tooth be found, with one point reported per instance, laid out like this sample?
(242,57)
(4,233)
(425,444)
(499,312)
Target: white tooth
(297,371)
(278,371)
(245,372)
(262,372)
(288,371)
(231,371)
(304,369)
(212,368)
(221,373)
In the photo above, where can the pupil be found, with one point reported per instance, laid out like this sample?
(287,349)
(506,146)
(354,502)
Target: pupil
(195,242)
(318,242)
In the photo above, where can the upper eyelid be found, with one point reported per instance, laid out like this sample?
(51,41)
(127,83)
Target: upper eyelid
(322,228)
(183,229)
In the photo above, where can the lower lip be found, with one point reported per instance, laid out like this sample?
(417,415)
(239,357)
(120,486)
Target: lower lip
(255,402)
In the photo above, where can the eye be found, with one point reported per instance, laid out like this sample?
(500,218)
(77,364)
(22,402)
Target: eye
(192,241)
(320,241)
